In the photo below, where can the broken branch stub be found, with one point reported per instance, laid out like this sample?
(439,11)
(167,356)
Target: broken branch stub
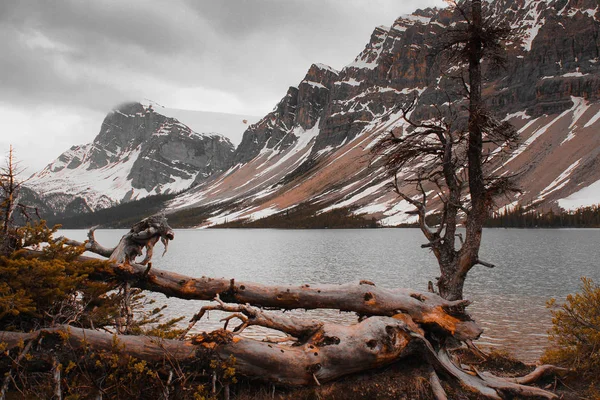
(145,233)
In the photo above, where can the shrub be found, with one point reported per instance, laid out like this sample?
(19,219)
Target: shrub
(51,288)
(576,334)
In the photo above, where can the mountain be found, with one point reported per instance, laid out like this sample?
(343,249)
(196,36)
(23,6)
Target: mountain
(315,146)
(232,126)
(313,149)
(138,152)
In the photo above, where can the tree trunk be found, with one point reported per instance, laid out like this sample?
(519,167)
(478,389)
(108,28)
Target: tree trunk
(475,219)
(451,283)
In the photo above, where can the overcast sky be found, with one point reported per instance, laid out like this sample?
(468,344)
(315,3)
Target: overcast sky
(65,64)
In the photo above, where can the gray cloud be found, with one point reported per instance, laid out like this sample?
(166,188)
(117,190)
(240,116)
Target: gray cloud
(229,55)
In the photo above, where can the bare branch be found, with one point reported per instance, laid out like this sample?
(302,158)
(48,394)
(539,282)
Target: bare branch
(485,264)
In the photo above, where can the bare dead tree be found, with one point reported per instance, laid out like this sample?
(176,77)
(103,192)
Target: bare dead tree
(450,151)
(10,186)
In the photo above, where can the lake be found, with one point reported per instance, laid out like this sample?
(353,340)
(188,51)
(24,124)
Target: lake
(508,301)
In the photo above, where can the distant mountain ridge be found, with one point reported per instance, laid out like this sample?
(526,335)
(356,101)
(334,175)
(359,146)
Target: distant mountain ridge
(314,147)
(138,152)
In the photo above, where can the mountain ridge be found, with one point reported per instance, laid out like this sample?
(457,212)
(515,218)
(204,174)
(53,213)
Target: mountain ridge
(547,83)
(137,153)
(314,147)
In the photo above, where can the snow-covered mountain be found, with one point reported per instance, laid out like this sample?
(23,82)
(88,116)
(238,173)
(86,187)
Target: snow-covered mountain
(232,126)
(314,147)
(139,152)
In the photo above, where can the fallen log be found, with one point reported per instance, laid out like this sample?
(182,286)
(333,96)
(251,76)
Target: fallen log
(321,351)
(362,298)
(332,351)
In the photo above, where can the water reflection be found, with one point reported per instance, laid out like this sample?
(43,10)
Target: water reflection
(508,301)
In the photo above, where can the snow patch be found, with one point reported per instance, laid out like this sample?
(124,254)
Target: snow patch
(592,120)
(536,134)
(231,126)
(531,30)
(266,212)
(315,84)
(559,182)
(327,68)
(397,215)
(588,196)
(372,209)
(518,114)
(305,139)
(360,195)
(573,74)
(580,106)
(350,81)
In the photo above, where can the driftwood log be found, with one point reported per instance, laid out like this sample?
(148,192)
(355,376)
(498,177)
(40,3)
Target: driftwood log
(393,323)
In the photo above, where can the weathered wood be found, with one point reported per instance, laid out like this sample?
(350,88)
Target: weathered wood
(90,245)
(291,326)
(363,298)
(145,233)
(323,351)
(399,320)
(332,352)
(487,385)
(540,372)
(436,386)
(147,348)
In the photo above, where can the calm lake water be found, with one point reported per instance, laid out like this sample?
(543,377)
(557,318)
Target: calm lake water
(508,301)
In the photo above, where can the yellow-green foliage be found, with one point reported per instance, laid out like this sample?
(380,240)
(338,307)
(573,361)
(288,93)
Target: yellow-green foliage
(225,369)
(576,333)
(50,287)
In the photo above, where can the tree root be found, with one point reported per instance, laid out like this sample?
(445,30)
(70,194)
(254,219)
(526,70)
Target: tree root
(540,372)
(436,386)
(487,385)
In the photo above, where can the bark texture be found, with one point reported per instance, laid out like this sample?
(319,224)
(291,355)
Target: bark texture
(319,352)
(363,298)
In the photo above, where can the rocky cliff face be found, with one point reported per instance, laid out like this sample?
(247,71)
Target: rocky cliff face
(314,146)
(301,107)
(138,152)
